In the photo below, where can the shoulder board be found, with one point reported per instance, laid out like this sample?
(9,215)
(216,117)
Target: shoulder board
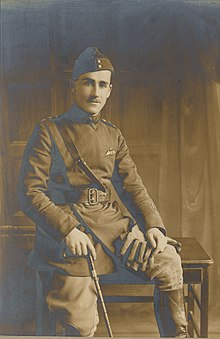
(108,123)
(50,118)
(44,120)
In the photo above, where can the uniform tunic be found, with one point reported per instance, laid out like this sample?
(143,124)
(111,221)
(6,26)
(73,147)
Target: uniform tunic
(50,182)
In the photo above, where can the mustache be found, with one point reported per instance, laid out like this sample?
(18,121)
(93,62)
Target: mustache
(96,101)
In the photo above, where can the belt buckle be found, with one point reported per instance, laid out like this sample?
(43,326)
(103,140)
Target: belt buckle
(93,196)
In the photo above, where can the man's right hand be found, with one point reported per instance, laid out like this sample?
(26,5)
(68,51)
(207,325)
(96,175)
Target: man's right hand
(139,245)
(79,243)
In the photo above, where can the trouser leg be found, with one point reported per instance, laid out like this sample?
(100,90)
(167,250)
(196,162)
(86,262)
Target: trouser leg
(74,301)
(169,307)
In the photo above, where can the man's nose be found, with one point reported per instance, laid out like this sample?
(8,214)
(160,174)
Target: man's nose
(95,90)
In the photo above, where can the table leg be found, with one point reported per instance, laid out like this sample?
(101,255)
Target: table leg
(204,304)
(190,309)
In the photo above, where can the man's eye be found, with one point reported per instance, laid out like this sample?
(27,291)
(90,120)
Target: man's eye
(103,85)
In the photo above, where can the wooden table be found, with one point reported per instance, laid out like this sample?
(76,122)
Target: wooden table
(195,262)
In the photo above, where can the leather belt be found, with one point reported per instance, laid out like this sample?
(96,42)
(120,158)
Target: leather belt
(93,196)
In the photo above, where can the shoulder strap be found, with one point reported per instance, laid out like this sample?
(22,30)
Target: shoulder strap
(71,147)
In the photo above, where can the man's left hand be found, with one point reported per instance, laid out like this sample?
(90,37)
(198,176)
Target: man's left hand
(157,240)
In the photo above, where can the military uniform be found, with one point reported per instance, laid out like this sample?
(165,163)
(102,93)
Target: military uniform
(58,196)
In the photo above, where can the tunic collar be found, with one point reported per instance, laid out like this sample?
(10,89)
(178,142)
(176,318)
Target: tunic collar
(77,115)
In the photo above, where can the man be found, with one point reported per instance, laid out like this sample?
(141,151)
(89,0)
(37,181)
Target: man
(72,166)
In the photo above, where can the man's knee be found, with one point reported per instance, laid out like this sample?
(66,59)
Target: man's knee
(74,300)
(169,257)
(169,279)
(167,269)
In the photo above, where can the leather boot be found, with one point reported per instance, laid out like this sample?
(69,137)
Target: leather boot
(170,313)
(177,311)
(71,331)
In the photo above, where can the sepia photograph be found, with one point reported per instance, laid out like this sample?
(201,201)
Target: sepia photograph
(110,168)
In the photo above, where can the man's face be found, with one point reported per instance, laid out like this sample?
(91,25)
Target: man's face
(92,90)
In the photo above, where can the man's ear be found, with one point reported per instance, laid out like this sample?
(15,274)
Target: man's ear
(110,90)
(72,85)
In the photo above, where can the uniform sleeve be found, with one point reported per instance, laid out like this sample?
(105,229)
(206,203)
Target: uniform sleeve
(132,187)
(32,187)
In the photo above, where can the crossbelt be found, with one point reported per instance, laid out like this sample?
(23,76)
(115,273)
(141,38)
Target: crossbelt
(73,151)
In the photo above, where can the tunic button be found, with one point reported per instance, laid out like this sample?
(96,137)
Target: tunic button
(99,66)
(99,61)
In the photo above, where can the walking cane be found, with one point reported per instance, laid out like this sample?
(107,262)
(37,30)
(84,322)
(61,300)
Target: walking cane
(99,292)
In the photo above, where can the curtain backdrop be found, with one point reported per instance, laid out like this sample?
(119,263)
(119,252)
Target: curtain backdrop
(195,154)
